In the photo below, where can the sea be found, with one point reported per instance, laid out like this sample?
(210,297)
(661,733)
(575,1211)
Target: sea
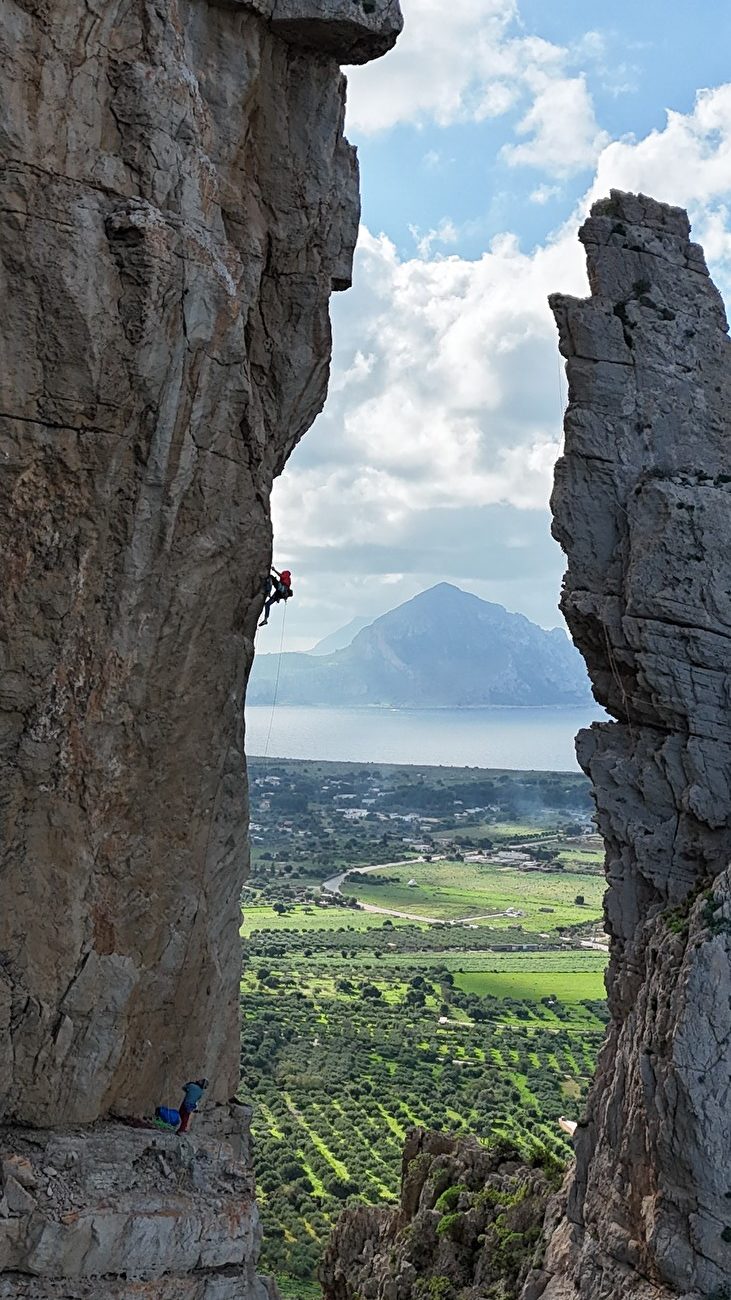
(523,739)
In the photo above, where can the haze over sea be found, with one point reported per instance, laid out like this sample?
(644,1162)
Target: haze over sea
(527,739)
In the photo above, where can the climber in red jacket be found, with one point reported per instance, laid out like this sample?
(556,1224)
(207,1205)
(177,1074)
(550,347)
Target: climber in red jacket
(276,588)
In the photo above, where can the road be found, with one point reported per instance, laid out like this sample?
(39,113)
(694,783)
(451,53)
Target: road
(333,883)
(333,886)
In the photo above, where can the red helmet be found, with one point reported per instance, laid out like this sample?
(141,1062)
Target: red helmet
(286,576)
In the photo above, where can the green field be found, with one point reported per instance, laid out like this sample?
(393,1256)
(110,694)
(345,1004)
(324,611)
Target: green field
(459,962)
(342,1057)
(304,919)
(574,986)
(358,1025)
(455,890)
(292,1289)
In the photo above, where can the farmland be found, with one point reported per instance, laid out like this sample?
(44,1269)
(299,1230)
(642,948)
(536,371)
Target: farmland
(359,1024)
(481,891)
(568,986)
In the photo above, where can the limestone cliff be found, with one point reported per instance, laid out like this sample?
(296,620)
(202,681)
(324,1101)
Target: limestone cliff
(641,508)
(109,1212)
(466,1227)
(178,201)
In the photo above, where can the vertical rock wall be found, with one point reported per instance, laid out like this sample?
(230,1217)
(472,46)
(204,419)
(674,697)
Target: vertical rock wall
(642,508)
(177,203)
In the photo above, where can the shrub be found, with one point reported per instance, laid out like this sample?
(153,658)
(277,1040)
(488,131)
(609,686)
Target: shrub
(433,1288)
(449,1198)
(448,1225)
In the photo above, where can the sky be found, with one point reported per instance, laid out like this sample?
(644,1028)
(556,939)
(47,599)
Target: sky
(483,138)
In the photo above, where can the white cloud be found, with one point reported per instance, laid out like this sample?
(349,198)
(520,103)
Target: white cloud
(433,458)
(687,162)
(591,46)
(544,193)
(437,71)
(564,136)
(467,61)
(457,406)
(600,52)
(445,233)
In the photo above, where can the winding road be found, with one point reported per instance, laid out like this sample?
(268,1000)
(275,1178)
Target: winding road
(332,886)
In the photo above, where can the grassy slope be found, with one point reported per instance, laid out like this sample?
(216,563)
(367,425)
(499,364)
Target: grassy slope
(532,985)
(300,918)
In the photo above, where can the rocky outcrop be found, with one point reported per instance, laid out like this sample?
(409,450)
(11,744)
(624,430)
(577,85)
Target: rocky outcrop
(641,508)
(123,1213)
(177,204)
(466,1228)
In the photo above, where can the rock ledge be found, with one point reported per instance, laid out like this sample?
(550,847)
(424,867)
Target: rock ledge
(119,1212)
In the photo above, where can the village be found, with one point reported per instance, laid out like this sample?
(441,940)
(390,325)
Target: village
(312,824)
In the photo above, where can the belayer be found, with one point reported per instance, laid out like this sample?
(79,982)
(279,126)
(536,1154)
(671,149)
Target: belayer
(192,1093)
(178,1120)
(276,588)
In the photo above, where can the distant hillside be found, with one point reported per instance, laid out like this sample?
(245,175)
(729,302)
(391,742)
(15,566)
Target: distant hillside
(340,639)
(445,648)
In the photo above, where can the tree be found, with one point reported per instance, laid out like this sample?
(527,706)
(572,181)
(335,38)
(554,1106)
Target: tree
(580,900)
(370,991)
(279,908)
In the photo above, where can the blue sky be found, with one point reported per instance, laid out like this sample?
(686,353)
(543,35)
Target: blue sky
(654,55)
(482,138)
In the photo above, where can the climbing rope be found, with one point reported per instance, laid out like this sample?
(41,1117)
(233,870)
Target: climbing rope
(276,681)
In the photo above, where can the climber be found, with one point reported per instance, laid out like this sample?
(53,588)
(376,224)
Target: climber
(192,1093)
(276,589)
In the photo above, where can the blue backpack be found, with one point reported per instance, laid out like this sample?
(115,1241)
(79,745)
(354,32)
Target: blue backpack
(168,1116)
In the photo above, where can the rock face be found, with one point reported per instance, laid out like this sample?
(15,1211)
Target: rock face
(641,507)
(178,202)
(129,1213)
(466,1228)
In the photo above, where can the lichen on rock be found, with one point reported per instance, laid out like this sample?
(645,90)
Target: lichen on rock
(641,507)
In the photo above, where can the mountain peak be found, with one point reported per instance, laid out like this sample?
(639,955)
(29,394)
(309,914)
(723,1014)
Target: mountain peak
(443,648)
